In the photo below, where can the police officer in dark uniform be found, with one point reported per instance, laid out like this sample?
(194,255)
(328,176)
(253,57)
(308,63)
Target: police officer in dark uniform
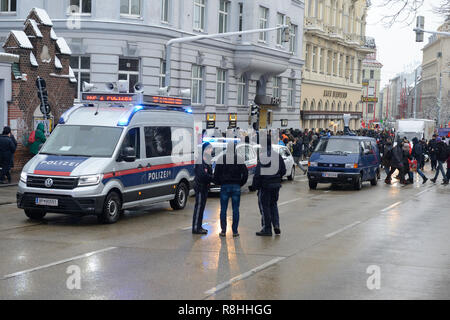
(267,180)
(203,179)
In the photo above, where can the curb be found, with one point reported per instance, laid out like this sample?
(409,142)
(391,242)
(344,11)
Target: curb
(9,185)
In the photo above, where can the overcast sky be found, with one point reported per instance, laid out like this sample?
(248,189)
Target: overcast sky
(397,47)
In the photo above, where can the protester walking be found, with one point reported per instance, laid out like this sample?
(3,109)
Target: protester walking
(442,151)
(417,154)
(231,174)
(7,148)
(203,179)
(397,161)
(267,180)
(297,152)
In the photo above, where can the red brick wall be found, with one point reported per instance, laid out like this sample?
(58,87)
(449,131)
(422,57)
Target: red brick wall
(61,91)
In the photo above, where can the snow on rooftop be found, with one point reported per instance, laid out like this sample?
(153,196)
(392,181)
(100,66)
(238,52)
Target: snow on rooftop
(22,39)
(72,75)
(63,47)
(58,64)
(43,16)
(35,27)
(8,57)
(33,60)
(53,35)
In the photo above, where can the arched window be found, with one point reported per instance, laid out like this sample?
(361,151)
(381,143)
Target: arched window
(350,107)
(333,106)
(305,105)
(319,106)
(339,107)
(345,107)
(327,106)
(313,106)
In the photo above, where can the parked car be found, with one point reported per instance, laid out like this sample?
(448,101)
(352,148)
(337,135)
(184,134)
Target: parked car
(287,157)
(243,150)
(345,160)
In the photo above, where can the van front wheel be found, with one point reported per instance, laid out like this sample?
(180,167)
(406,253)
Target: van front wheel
(112,209)
(181,197)
(35,215)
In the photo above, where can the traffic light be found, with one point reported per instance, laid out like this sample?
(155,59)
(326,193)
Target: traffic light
(255,110)
(419,28)
(287,30)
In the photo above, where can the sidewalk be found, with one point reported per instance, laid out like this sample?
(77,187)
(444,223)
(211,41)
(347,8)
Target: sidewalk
(15,177)
(8,194)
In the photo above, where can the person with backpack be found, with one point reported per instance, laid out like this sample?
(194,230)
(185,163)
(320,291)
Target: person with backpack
(442,152)
(37,139)
(387,156)
(7,149)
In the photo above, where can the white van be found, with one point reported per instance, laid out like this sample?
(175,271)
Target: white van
(111,153)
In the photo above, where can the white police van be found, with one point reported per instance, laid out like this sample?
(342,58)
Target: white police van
(110,153)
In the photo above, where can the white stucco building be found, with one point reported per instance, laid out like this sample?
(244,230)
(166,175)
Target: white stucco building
(116,40)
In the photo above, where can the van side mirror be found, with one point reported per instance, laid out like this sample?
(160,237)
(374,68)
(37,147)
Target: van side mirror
(128,155)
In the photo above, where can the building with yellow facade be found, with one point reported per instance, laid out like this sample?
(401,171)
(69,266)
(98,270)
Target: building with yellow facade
(334,47)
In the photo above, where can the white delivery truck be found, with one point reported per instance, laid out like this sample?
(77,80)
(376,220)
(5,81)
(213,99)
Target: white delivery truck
(415,128)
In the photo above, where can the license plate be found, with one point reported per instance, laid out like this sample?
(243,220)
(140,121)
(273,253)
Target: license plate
(47,202)
(330,175)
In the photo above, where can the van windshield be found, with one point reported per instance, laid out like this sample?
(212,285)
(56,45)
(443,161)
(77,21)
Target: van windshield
(82,141)
(345,146)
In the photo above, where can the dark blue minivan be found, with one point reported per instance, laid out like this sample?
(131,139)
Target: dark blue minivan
(345,160)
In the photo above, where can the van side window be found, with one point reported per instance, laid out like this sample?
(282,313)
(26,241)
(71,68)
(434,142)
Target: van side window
(368,147)
(158,142)
(133,140)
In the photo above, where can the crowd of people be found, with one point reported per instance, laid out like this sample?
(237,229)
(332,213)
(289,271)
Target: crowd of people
(402,156)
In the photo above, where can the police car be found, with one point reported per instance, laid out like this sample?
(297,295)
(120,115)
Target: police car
(112,152)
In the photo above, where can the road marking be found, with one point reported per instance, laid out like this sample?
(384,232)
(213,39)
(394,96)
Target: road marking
(288,202)
(392,207)
(330,235)
(243,276)
(13,275)
(190,227)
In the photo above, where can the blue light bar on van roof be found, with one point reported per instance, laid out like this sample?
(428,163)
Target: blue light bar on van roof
(67,114)
(126,118)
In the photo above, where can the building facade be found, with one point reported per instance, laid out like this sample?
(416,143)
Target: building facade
(436,77)
(371,81)
(125,40)
(35,51)
(334,48)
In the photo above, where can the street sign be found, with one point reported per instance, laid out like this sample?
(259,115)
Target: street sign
(43,96)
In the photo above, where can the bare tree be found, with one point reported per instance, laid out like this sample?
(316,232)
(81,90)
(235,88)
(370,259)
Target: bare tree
(401,11)
(405,11)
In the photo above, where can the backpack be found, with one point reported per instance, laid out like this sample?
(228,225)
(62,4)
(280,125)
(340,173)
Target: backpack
(32,137)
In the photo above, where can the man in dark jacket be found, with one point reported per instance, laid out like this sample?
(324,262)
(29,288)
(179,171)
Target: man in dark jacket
(442,152)
(297,152)
(267,180)
(397,164)
(418,155)
(433,152)
(203,179)
(7,149)
(231,174)
(387,156)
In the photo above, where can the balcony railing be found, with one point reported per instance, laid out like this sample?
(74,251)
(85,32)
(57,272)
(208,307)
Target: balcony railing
(313,24)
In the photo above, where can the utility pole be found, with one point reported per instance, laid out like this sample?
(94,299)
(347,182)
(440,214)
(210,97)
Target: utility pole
(415,95)
(439,102)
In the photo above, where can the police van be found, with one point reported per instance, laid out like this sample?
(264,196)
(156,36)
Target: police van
(112,152)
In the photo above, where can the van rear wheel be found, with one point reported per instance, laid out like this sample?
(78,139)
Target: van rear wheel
(35,215)
(181,197)
(312,185)
(112,209)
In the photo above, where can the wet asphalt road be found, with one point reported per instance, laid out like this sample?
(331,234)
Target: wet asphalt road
(336,244)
